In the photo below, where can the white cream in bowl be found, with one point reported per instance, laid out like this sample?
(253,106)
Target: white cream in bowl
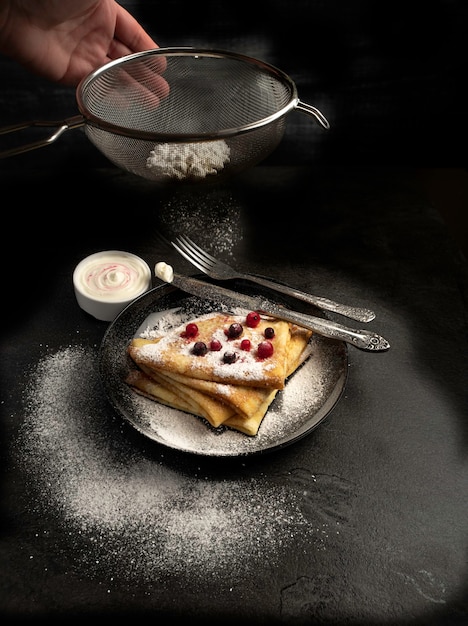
(106,282)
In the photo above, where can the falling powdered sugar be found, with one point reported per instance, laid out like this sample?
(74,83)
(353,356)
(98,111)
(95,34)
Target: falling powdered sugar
(149,519)
(212,219)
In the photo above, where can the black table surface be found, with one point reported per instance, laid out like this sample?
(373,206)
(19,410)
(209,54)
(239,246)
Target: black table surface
(364,521)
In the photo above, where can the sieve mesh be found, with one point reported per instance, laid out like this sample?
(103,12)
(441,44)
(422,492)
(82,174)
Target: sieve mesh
(172,114)
(208,93)
(186,114)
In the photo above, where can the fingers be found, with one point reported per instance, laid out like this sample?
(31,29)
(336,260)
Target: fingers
(118,49)
(130,34)
(137,81)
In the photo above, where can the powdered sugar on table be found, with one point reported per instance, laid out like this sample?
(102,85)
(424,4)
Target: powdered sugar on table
(129,516)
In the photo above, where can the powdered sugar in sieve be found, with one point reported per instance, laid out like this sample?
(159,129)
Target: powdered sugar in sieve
(188,160)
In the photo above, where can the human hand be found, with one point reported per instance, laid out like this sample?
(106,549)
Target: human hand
(65,40)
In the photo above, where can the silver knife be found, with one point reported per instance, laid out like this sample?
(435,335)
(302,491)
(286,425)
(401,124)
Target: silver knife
(362,339)
(357,313)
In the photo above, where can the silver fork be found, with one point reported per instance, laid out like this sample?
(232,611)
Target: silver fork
(218,270)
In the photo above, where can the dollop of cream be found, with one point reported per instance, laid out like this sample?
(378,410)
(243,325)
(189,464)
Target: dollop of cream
(164,272)
(113,276)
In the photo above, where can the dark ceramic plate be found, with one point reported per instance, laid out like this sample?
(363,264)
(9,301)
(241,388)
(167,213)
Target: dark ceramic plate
(309,396)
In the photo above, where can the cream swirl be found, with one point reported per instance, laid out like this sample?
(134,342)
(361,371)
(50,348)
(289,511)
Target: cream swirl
(113,276)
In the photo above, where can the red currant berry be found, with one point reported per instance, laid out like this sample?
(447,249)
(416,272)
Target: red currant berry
(191,330)
(245,345)
(269,332)
(215,345)
(253,319)
(235,330)
(199,348)
(265,349)
(229,357)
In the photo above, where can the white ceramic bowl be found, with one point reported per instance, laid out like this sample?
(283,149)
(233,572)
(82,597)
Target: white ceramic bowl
(106,282)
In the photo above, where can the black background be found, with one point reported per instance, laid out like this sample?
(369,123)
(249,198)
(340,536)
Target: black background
(390,462)
(390,78)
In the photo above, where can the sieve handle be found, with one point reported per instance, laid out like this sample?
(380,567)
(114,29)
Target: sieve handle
(310,110)
(60,128)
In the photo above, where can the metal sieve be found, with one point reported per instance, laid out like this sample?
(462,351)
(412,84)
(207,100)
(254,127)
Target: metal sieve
(181,113)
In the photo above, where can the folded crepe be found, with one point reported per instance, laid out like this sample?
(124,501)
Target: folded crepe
(173,353)
(234,394)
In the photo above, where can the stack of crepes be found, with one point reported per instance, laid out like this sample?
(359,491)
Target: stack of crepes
(232,382)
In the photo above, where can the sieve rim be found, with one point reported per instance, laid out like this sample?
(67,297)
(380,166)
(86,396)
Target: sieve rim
(97,122)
